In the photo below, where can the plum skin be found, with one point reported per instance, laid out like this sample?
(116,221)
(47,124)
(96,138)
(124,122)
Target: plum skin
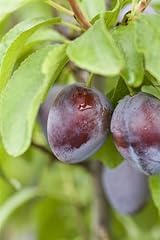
(136,131)
(125,188)
(45,107)
(78,123)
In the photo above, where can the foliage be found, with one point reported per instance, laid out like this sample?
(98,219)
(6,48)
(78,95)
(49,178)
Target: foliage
(37,50)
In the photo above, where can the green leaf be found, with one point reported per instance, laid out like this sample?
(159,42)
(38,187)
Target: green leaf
(155,190)
(14,202)
(108,154)
(13,42)
(34,9)
(93,9)
(96,51)
(39,39)
(125,38)
(155,91)
(10,6)
(112,15)
(148,42)
(46,34)
(24,93)
(119,92)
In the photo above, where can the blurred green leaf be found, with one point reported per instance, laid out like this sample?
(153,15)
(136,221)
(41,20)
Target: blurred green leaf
(155,190)
(21,100)
(10,6)
(96,51)
(60,221)
(66,183)
(14,202)
(13,42)
(24,170)
(34,9)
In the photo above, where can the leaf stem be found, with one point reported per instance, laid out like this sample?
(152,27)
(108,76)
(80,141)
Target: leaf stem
(71,26)
(59,8)
(80,17)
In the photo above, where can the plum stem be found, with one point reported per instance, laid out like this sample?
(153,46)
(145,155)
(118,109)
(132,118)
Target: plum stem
(79,15)
(90,79)
(100,205)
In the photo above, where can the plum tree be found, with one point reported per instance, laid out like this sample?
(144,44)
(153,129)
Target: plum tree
(136,132)
(126,188)
(78,123)
(45,107)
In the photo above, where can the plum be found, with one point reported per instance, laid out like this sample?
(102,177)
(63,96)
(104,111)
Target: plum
(78,123)
(136,131)
(128,7)
(125,188)
(45,107)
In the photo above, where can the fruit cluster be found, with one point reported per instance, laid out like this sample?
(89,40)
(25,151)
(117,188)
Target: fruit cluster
(79,120)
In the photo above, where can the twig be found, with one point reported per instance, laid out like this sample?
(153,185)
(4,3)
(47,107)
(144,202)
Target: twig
(71,26)
(43,149)
(100,206)
(80,17)
(60,8)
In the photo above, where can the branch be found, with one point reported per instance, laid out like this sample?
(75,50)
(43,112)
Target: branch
(43,149)
(80,17)
(100,206)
